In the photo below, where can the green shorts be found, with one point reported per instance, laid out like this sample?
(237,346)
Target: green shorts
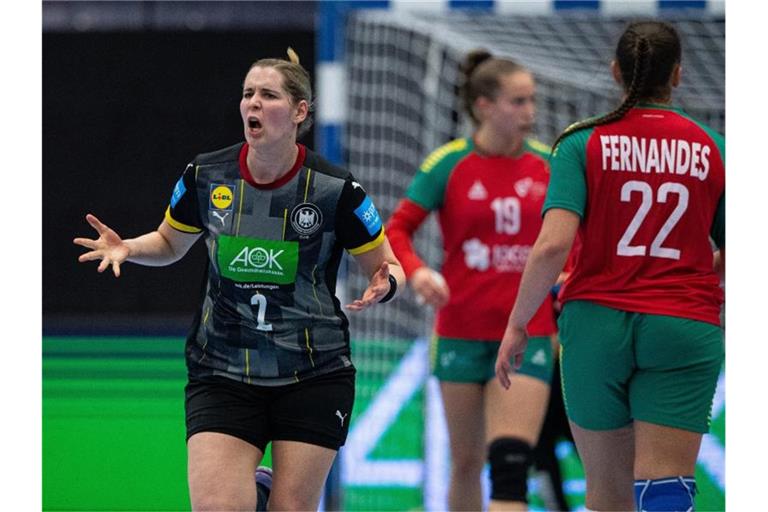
(618,366)
(473,361)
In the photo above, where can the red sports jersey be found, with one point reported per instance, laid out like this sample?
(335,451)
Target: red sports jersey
(654,180)
(489,212)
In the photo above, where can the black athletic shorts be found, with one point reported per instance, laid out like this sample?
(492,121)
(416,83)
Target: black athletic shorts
(314,411)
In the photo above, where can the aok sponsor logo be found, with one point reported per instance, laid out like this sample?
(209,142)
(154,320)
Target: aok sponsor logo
(221,196)
(253,260)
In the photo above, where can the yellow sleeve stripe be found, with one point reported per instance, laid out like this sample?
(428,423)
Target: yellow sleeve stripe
(369,246)
(434,158)
(539,146)
(178,225)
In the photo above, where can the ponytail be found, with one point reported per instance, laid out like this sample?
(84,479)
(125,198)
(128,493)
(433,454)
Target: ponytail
(642,59)
(468,92)
(292,55)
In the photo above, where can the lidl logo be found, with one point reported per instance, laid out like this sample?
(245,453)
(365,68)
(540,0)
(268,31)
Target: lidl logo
(252,260)
(221,196)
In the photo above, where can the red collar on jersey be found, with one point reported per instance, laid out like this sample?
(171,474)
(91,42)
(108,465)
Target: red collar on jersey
(246,175)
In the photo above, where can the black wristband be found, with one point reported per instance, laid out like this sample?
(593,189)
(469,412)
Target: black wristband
(392,290)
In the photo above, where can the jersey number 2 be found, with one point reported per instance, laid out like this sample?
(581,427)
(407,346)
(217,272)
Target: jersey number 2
(261,301)
(623,248)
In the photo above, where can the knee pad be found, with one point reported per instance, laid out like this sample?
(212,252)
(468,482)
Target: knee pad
(674,493)
(510,460)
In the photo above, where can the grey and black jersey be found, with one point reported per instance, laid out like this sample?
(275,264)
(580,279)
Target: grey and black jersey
(269,314)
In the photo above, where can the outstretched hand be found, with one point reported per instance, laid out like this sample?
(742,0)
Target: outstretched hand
(512,347)
(377,289)
(109,247)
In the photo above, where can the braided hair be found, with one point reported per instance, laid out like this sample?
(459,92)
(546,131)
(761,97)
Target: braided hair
(481,72)
(647,54)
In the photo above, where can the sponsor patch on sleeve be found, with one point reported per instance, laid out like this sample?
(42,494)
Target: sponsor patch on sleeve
(369,216)
(178,191)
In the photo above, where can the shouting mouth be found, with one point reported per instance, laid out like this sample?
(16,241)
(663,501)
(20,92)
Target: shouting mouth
(253,124)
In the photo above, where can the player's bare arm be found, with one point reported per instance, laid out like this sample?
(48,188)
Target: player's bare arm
(544,265)
(157,248)
(379,264)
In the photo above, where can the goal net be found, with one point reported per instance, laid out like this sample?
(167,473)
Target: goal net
(402,72)
(402,77)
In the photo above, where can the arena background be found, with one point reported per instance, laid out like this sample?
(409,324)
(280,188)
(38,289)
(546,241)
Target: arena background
(131,92)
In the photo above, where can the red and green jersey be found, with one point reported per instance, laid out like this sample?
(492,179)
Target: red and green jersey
(650,190)
(489,214)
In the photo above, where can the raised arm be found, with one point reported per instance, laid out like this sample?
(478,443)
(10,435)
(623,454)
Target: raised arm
(157,248)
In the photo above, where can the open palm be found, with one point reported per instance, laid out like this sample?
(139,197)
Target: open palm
(377,288)
(109,247)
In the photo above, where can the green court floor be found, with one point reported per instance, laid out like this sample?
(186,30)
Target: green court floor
(113,429)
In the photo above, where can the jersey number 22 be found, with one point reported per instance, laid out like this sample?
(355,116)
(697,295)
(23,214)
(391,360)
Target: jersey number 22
(624,248)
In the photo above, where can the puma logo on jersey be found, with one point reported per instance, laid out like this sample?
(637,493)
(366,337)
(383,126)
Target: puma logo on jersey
(341,416)
(477,191)
(220,217)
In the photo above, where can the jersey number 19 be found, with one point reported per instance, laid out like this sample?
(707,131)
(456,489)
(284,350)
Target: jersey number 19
(507,212)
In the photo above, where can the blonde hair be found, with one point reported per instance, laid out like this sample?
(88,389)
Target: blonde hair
(292,55)
(296,83)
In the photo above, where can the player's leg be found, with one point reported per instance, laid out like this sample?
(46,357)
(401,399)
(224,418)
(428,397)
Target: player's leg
(607,457)
(226,437)
(554,429)
(300,470)
(597,363)
(679,361)
(310,422)
(664,467)
(513,422)
(220,470)
(463,407)
(459,365)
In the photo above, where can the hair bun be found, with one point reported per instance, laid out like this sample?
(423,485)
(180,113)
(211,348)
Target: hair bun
(473,59)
